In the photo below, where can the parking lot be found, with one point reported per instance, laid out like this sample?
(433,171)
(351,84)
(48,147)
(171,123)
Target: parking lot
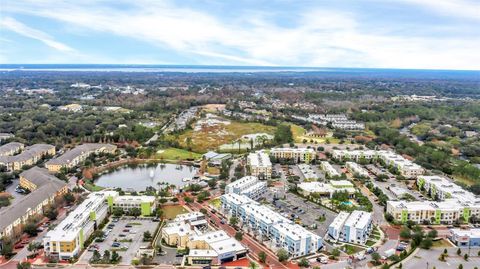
(125,236)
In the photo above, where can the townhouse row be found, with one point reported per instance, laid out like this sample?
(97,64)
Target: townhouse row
(16,156)
(249,186)
(269,225)
(352,227)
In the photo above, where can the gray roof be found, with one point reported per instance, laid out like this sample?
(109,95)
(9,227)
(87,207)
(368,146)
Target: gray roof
(40,176)
(7,148)
(68,156)
(20,206)
(28,153)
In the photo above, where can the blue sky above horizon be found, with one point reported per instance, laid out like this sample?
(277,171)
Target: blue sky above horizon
(423,34)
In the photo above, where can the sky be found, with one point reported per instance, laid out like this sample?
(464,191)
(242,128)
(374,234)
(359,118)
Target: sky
(417,34)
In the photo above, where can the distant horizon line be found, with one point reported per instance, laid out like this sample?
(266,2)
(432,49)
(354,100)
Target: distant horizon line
(206,66)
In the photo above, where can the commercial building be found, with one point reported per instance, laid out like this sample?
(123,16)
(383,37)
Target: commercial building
(326,189)
(67,239)
(205,246)
(267,224)
(351,228)
(215,158)
(29,156)
(445,212)
(297,155)
(308,172)
(77,155)
(329,170)
(11,148)
(356,169)
(465,238)
(44,189)
(249,186)
(259,165)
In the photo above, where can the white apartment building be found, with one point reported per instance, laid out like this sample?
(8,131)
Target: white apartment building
(355,168)
(249,186)
(67,239)
(270,225)
(354,155)
(441,188)
(352,228)
(298,155)
(326,189)
(146,204)
(329,170)
(260,165)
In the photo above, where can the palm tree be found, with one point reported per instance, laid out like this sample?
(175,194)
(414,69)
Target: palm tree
(253,265)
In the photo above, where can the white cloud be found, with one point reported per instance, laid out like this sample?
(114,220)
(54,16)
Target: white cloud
(456,8)
(319,37)
(22,29)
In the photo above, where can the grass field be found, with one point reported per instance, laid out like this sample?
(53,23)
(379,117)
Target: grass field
(212,137)
(177,154)
(299,132)
(171,211)
(442,243)
(351,249)
(92,187)
(215,202)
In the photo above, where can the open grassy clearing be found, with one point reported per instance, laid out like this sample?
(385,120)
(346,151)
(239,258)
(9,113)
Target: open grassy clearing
(171,211)
(210,138)
(176,154)
(442,243)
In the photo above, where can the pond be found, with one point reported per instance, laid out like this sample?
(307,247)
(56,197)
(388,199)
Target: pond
(138,178)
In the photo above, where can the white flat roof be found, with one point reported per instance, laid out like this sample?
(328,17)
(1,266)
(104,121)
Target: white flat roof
(294,231)
(358,219)
(339,220)
(237,199)
(260,159)
(470,233)
(227,245)
(247,180)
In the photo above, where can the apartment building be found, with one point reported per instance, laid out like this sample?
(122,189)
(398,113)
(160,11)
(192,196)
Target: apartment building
(249,186)
(326,189)
(267,224)
(259,165)
(356,169)
(441,188)
(298,155)
(44,189)
(29,156)
(465,238)
(329,170)
(77,155)
(351,228)
(405,167)
(67,239)
(146,204)
(444,212)
(178,232)
(11,148)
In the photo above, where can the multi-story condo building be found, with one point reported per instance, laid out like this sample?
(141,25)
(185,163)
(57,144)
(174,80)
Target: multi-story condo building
(445,212)
(146,204)
(67,239)
(465,238)
(249,186)
(178,232)
(441,188)
(326,189)
(44,189)
(270,225)
(77,155)
(259,165)
(352,228)
(405,167)
(298,155)
(356,169)
(30,156)
(329,170)
(348,125)
(11,148)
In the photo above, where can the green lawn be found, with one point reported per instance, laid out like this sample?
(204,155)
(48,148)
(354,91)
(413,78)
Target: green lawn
(171,212)
(442,243)
(350,249)
(177,154)
(216,203)
(92,187)
(370,243)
